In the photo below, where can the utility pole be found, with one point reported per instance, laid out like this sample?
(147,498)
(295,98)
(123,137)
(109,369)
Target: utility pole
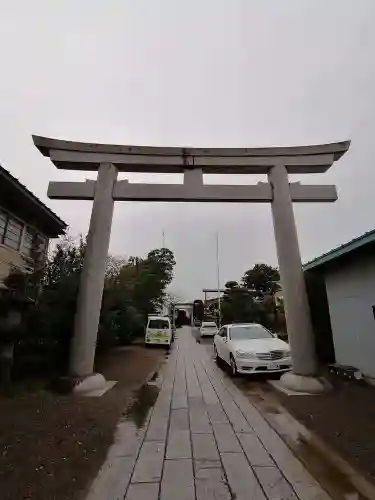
(218,276)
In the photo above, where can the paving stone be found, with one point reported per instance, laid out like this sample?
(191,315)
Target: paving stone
(211,490)
(208,392)
(162,406)
(157,429)
(274,484)
(206,464)
(204,447)
(254,450)
(150,463)
(306,487)
(179,400)
(178,445)
(143,491)
(217,414)
(112,480)
(196,402)
(192,382)
(179,419)
(237,420)
(179,397)
(210,473)
(128,440)
(199,421)
(234,414)
(314,492)
(243,483)
(178,480)
(226,438)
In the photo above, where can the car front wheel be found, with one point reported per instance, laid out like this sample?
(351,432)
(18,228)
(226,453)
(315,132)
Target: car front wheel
(217,357)
(233,367)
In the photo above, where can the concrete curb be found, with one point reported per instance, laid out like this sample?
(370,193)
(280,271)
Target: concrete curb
(359,483)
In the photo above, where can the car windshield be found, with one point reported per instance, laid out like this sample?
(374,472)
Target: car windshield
(248,332)
(158,324)
(209,325)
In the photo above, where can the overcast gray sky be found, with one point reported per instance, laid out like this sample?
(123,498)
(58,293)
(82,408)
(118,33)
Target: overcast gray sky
(198,73)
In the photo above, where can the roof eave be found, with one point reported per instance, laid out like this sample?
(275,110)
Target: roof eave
(327,258)
(60,225)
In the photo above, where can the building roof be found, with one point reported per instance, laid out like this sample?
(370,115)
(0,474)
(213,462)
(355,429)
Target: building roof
(344,249)
(19,200)
(88,156)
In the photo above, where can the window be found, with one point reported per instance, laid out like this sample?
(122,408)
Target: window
(223,332)
(248,332)
(3,223)
(27,244)
(13,234)
(10,231)
(158,324)
(33,241)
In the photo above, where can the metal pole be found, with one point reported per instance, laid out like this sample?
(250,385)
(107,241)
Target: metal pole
(218,276)
(173,319)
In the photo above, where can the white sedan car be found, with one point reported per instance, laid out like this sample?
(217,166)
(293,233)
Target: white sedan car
(251,348)
(208,329)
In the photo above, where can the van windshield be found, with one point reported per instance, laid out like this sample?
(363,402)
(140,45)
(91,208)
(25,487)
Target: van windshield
(158,324)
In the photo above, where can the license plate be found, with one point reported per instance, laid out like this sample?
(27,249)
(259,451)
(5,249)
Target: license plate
(273,366)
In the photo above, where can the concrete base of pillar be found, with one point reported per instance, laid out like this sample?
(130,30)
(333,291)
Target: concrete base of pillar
(308,385)
(93,383)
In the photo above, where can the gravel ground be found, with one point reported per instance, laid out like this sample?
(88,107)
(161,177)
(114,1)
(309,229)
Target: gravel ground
(344,418)
(51,446)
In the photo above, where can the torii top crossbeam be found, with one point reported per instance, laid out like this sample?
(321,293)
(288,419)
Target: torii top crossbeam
(71,155)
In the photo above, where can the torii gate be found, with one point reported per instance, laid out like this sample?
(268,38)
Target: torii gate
(276,162)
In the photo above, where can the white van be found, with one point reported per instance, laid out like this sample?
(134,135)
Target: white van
(159,330)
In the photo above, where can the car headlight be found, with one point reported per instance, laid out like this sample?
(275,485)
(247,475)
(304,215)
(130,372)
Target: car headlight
(286,354)
(244,354)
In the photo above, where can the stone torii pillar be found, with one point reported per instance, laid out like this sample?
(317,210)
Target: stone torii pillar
(297,309)
(93,273)
(278,163)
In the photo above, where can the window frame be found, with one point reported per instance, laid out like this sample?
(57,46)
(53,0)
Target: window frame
(165,322)
(26,229)
(3,237)
(24,249)
(223,330)
(255,338)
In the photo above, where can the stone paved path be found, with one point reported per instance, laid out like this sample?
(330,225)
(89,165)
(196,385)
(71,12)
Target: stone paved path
(204,440)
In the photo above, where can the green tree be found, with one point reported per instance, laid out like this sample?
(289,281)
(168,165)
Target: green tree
(237,304)
(44,346)
(262,279)
(133,288)
(114,264)
(135,291)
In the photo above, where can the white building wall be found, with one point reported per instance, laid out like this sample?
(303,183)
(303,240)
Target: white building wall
(351,296)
